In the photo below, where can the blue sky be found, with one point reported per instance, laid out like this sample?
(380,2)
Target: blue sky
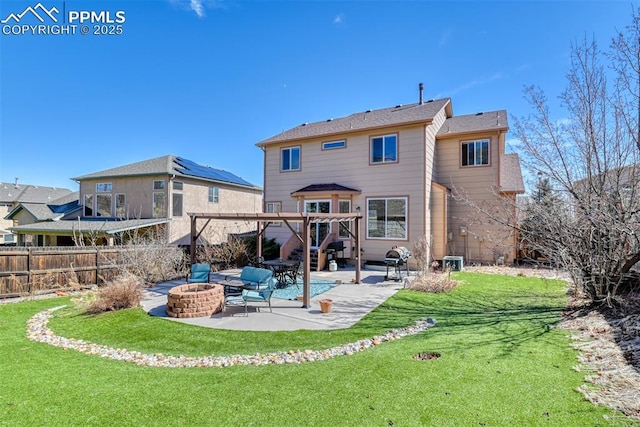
(207,80)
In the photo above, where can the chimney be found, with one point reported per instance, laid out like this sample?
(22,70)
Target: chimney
(421,88)
(16,183)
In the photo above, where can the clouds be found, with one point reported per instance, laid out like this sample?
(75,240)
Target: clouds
(473,83)
(339,19)
(197,7)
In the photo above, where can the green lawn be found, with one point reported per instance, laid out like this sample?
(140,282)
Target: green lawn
(502,364)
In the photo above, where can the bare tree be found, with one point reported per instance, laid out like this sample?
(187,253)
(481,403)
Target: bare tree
(591,161)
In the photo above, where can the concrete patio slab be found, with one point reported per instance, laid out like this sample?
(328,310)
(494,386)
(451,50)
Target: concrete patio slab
(351,302)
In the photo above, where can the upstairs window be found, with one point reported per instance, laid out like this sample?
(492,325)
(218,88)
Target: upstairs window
(290,159)
(121,205)
(103,187)
(159,205)
(176,204)
(103,205)
(214,194)
(177,185)
(158,185)
(384,149)
(88,205)
(332,145)
(475,153)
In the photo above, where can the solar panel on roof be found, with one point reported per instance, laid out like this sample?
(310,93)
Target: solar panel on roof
(187,167)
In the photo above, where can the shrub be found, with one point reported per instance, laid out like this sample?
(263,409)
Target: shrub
(433,282)
(125,291)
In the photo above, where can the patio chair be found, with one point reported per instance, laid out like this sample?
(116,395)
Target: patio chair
(257,262)
(292,273)
(259,296)
(262,295)
(199,273)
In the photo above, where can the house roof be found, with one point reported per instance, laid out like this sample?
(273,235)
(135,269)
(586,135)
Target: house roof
(324,188)
(510,174)
(170,165)
(87,226)
(51,211)
(492,120)
(370,119)
(27,193)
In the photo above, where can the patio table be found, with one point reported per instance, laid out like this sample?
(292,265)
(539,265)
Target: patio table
(285,271)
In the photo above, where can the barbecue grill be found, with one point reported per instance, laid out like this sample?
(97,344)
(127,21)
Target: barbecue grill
(332,251)
(397,257)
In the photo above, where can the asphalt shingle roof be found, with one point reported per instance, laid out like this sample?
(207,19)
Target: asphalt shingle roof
(325,187)
(26,193)
(370,119)
(170,165)
(492,120)
(88,226)
(511,174)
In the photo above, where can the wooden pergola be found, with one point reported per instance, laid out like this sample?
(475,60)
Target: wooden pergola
(264,219)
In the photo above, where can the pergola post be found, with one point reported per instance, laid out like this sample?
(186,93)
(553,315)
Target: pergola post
(357,257)
(192,247)
(306,288)
(259,237)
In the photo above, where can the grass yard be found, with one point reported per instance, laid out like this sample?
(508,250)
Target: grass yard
(502,364)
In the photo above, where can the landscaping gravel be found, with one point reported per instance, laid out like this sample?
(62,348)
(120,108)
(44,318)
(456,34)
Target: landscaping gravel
(38,330)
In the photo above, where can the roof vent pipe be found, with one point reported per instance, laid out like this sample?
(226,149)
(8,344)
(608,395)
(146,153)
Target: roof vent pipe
(420,89)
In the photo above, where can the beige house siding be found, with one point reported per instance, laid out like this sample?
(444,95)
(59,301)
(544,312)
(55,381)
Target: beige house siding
(439,214)
(351,167)
(5,208)
(427,174)
(231,199)
(139,191)
(484,240)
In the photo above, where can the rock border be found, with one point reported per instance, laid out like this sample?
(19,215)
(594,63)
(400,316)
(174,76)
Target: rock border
(39,331)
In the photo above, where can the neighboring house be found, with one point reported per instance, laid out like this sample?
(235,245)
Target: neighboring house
(152,194)
(399,167)
(12,195)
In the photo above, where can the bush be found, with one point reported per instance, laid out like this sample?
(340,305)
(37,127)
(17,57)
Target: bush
(124,291)
(433,282)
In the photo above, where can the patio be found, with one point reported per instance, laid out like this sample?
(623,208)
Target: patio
(351,302)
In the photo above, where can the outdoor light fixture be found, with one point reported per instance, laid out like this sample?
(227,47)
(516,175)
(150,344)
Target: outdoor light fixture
(358,209)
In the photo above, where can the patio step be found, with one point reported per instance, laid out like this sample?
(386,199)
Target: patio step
(299,254)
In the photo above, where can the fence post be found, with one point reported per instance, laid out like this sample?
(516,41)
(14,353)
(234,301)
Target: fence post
(97,266)
(29,270)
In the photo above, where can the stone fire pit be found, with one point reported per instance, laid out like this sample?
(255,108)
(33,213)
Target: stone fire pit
(195,300)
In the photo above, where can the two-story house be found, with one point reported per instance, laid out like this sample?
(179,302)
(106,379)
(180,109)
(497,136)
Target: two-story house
(39,200)
(400,167)
(153,194)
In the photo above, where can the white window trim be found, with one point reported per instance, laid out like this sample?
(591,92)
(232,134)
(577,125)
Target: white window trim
(84,205)
(215,197)
(100,185)
(475,142)
(272,205)
(124,206)
(153,204)
(348,223)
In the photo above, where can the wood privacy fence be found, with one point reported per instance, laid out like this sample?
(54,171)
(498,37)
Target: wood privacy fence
(32,270)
